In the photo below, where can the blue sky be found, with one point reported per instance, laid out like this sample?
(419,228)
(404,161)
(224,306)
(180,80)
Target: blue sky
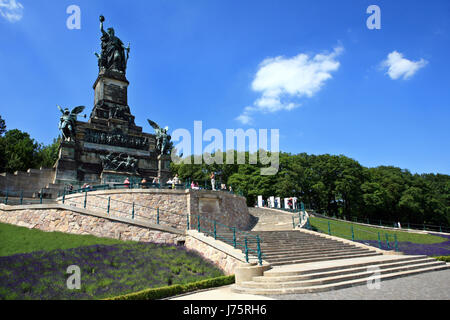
(309,68)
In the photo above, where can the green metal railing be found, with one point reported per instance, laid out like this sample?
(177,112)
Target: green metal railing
(248,243)
(385,240)
(381,223)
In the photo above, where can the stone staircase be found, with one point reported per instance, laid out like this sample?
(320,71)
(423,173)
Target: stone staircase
(293,247)
(305,261)
(332,275)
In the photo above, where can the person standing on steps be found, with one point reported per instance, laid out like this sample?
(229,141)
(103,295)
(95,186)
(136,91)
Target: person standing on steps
(213,181)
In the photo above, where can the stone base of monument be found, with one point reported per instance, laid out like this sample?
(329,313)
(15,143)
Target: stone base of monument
(114,177)
(164,173)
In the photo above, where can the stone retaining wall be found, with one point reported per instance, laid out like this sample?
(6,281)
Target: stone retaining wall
(174,206)
(226,262)
(68,221)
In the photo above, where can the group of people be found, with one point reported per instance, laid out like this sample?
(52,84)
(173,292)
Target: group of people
(223,186)
(144,182)
(172,181)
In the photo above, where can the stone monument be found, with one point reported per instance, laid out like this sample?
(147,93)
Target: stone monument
(110,147)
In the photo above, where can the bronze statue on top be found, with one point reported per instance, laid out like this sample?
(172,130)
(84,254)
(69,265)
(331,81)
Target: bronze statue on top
(114,55)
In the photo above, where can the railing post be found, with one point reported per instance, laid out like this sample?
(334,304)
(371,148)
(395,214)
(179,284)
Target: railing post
(396,242)
(379,240)
(6,197)
(85,199)
(246,250)
(132,212)
(157,215)
(109,205)
(215,230)
(40,196)
(258,246)
(234,238)
(293,222)
(198,223)
(329,228)
(64,197)
(187,221)
(353,234)
(380,223)
(21,197)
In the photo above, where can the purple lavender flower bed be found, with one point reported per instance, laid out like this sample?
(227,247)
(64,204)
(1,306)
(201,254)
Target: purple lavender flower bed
(436,249)
(106,271)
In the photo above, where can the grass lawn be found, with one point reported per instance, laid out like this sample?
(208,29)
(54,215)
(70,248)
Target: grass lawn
(343,229)
(33,265)
(14,239)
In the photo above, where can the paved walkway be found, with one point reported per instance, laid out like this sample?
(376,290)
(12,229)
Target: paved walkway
(222,293)
(427,286)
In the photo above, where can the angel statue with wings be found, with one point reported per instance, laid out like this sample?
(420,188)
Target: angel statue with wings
(163,143)
(67,122)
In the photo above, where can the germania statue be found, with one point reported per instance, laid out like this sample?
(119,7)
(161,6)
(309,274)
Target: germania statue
(114,55)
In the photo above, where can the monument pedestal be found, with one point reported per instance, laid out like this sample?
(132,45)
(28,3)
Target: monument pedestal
(66,167)
(114,177)
(164,173)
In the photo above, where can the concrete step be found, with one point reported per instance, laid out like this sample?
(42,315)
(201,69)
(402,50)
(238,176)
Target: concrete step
(306,248)
(307,260)
(331,256)
(322,267)
(336,285)
(342,271)
(299,255)
(339,278)
(312,250)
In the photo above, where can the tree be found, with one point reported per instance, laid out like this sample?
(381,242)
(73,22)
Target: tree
(48,155)
(19,150)
(2,126)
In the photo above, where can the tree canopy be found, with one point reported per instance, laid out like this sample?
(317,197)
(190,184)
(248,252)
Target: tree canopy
(337,185)
(19,152)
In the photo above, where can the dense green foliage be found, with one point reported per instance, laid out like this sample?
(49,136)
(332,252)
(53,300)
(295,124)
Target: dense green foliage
(337,185)
(443,258)
(15,240)
(170,291)
(19,152)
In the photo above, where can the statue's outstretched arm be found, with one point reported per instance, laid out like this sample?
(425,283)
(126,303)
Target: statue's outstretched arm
(102,19)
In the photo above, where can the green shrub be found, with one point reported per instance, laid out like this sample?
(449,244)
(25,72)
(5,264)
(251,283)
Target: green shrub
(169,291)
(443,258)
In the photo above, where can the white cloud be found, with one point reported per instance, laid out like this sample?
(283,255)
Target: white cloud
(282,81)
(399,67)
(11,10)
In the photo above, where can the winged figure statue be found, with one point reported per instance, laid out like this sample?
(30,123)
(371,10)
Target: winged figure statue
(163,144)
(68,121)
